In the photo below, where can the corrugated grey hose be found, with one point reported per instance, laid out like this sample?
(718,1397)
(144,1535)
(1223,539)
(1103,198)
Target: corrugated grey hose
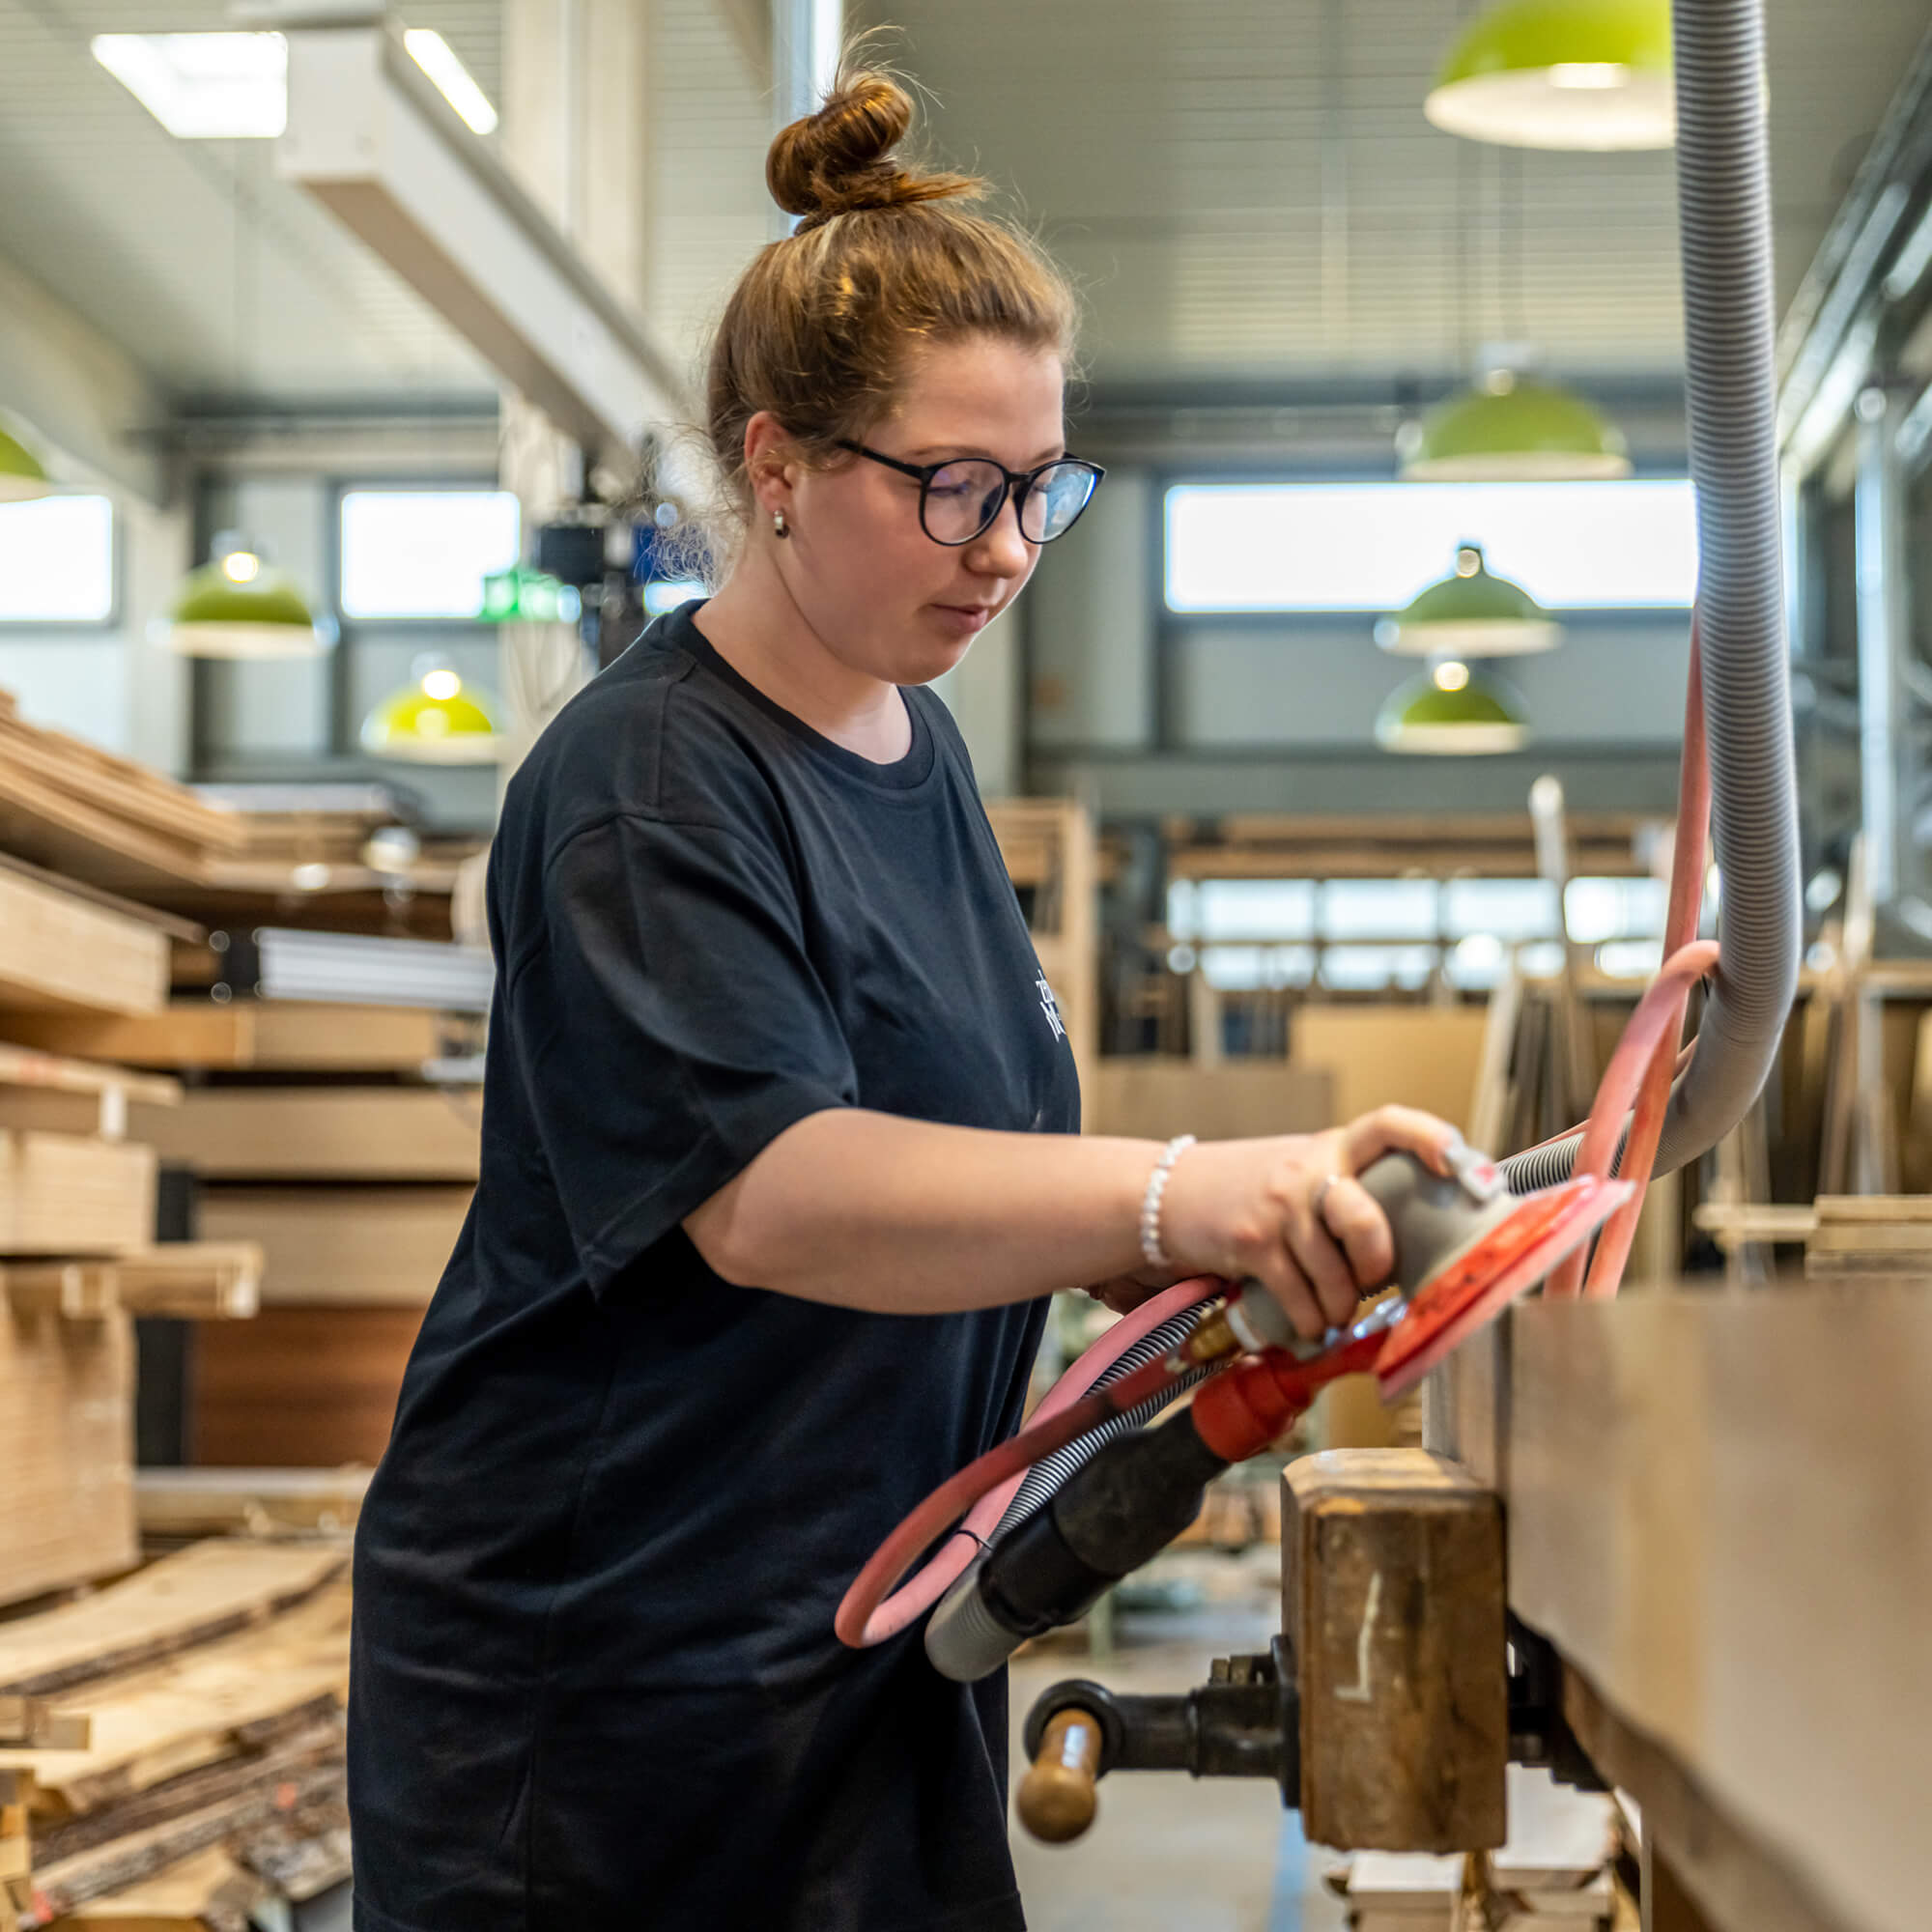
(1050,1471)
(1723,189)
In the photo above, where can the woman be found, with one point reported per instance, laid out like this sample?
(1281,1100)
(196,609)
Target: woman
(780,1155)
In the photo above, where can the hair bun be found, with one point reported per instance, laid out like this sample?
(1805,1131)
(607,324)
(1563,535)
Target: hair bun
(840,159)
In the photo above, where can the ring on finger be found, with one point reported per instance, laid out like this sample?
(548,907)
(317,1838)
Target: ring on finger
(1317,1202)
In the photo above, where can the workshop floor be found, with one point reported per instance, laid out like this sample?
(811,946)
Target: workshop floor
(1167,1852)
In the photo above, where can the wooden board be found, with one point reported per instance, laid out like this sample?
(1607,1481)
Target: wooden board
(1392,1601)
(66,1447)
(195,1596)
(1154,1097)
(186,1503)
(68,1194)
(319,1133)
(1717,1512)
(58,952)
(194,1709)
(293,1036)
(300,1387)
(1426,1057)
(356,1246)
(204,1892)
(193,1281)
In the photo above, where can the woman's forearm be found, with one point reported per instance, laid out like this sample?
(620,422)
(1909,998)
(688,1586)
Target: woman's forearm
(868,1211)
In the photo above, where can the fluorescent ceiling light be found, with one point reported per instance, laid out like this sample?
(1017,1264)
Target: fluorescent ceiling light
(454,82)
(204,87)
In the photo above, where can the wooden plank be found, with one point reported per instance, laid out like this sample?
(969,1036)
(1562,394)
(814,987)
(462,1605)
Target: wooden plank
(1153,1097)
(69,1194)
(194,1709)
(206,1891)
(66,1449)
(33,1721)
(319,1133)
(1837,1210)
(135,792)
(58,952)
(1393,1603)
(1718,1514)
(124,1862)
(187,1279)
(354,1246)
(194,1596)
(291,1036)
(249,1502)
(300,1387)
(22,1066)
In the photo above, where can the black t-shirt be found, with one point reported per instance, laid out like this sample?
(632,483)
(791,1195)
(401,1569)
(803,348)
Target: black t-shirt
(595,1683)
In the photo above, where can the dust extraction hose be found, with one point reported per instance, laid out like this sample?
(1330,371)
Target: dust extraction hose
(1723,187)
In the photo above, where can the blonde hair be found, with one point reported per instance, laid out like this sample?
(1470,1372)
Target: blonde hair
(822,324)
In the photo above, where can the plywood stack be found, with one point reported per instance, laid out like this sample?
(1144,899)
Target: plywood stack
(1870,1236)
(109,822)
(174,1744)
(316,1137)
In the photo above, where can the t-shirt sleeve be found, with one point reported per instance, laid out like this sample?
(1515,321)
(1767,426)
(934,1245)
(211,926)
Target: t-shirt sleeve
(668,1027)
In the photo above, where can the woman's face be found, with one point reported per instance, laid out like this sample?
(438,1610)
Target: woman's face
(881,595)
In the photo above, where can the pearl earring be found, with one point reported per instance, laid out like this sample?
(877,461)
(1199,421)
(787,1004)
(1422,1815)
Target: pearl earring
(779,527)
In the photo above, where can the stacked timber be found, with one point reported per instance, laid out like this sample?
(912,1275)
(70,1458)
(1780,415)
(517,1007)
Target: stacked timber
(315,1136)
(1869,1234)
(108,822)
(171,1747)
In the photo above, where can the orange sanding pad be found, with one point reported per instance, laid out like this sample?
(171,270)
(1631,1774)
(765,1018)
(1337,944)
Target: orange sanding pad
(1488,1274)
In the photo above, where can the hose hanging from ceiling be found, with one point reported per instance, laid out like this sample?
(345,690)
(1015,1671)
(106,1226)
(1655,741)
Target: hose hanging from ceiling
(1723,187)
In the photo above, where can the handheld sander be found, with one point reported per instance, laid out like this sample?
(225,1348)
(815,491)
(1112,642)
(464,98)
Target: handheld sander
(1464,1245)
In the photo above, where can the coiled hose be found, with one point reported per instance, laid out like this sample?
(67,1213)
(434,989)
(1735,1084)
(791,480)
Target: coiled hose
(1724,188)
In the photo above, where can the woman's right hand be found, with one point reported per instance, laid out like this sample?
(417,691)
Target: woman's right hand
(1289,1211)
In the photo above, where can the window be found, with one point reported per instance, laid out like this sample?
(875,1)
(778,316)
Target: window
(57,561)
(416,553)
(1374,546)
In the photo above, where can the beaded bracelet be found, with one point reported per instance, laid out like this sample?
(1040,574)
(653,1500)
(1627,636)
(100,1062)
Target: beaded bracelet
(1151,1251)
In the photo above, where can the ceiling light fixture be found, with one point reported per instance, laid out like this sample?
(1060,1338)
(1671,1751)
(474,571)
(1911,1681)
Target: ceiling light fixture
(23,478)
(453,80)
(1561,73)
(1514,428)
(1470,613)
(1471,716)
(236,606)
(204,87)
(435,719)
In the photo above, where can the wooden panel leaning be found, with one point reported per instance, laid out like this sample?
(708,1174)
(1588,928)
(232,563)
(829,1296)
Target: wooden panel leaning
(1393,1603)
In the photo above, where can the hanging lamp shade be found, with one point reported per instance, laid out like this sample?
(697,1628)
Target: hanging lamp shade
(1514,429)
(1453,711)
(1470,613)
(21,478)
(435,719)
(237,607)
(1561,73)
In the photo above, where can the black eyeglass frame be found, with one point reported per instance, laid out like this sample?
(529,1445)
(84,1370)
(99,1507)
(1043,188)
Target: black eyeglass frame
(1015,486)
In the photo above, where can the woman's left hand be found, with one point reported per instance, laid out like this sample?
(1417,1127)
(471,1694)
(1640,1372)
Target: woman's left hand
(1125,1292)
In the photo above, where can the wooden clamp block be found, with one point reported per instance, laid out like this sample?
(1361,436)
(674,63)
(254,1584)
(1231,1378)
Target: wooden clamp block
(1393,1605)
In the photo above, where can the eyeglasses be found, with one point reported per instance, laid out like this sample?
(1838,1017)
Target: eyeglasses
(959,500)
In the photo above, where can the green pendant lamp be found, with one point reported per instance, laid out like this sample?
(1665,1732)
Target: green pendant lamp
(239,606)
(1514,429)
(1453,711)
(23,480)
(434,720)
(1561,73)
(1469,613)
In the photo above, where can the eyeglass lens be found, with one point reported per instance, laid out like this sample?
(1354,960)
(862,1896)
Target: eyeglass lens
(963,498)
